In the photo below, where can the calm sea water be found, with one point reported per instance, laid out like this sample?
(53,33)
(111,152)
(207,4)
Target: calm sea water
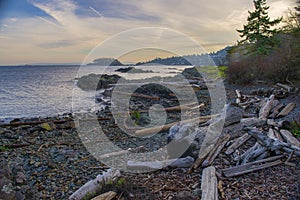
(33,91)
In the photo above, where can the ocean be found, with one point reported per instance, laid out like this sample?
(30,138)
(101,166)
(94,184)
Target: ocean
(44,91)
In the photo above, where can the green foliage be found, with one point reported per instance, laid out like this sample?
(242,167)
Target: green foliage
(136,116)
(213,72)
(295,128)
(120,182)
(258,31)
(4,148)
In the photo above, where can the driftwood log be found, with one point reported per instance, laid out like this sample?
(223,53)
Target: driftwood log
(238,142)
(216,150)
(286,110)
(253,166)
(271,144)
(148,131)
(256,152)
(209,184)
(95,185)
(266,109)
(105,196)
(122,152)
(289,138)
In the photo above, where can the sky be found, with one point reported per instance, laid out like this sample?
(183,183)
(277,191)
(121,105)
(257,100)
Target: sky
(67,31)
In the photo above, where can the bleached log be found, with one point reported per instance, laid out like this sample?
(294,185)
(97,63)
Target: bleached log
(156,129)
(253,166)
(265,110)
(123,152)
(156,165)
(138,95)
(209,184)
(201,157)
(239,96)
(288,136)
(278,135)
(106,196)
(95,185)
(238,142)
(287,109)
(276,110)
(288,88)
(251,154)
(272,145)
(216,150)
(271,134)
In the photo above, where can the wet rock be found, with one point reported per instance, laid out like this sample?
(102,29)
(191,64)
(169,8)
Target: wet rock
(179,140)
(20,178)
(183,162)
(234,114)
(97,82)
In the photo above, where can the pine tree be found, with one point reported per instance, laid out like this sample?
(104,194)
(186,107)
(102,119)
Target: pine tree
(258,30)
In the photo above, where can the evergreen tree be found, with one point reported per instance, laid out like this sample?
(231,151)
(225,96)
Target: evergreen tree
(258,30)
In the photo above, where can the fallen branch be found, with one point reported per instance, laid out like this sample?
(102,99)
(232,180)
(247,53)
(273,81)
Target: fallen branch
(216,150)
(276,110)
(95,185)
(149,131)
(288,88)
(201,157)
(123,152)
(271,144)
(138,95)
(238,142)
(253,166)
(257,151)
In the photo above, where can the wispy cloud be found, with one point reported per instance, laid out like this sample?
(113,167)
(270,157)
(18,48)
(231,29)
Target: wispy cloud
(68,29)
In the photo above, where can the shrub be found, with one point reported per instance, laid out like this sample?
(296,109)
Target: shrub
(280,65)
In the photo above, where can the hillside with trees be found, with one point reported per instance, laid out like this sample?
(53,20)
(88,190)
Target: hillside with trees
(269,49)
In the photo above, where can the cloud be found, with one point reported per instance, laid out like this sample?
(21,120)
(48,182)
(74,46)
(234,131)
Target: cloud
(69,29)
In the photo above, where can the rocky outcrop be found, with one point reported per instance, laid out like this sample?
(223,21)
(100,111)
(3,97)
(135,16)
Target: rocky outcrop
(97,82)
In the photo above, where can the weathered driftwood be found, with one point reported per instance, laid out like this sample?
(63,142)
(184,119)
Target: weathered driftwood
(95,185)
(156,129)
(138,95)
(253,166)
(271,134)
(238,142)
(184,107)
(239,96)
(287,109)
(278,135)
(281,124)
(156,165)
(201,157)
(288,88)
(249,102)
(209,184)
(265,110)
(275,111)
(216,150)
(288,136)
(122,152)
(105,196)
(256,152)
(272,145)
